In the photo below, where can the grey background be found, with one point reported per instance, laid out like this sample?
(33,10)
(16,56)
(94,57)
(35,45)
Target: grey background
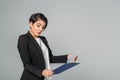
(91,26)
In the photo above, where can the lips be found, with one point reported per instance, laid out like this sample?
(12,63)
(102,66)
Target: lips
(39,33)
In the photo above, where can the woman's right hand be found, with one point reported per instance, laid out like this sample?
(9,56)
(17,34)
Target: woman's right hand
(47,73)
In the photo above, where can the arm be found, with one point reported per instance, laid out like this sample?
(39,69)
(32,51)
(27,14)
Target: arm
(24,54)
(58,59)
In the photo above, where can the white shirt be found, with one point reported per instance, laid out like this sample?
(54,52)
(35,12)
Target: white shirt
(45,52)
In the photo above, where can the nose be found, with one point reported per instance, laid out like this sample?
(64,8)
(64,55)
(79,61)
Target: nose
(41,28)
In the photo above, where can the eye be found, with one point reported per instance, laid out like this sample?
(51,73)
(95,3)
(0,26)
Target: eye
(38,25)
(43,27)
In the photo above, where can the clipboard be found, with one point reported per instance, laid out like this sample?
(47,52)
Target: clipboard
(64,67)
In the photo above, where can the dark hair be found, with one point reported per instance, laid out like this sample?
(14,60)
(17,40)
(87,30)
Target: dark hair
(35,17)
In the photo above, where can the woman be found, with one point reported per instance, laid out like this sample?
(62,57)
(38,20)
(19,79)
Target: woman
(34,48)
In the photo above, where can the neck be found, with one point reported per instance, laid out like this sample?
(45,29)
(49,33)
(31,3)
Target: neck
(33,34)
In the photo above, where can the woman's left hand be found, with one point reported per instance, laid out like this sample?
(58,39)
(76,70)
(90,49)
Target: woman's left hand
(72,58)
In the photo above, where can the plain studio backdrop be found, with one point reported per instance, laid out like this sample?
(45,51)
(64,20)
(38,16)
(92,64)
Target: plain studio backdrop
(89,26)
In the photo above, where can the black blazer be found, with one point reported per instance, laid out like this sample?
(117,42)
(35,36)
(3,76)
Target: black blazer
(32,57)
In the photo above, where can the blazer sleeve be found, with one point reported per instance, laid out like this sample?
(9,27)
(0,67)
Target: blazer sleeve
(24,54)
(55,59)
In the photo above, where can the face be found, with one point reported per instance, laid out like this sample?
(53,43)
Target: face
(37,28)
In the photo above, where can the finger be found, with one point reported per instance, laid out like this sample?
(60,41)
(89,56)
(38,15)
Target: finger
(75,58)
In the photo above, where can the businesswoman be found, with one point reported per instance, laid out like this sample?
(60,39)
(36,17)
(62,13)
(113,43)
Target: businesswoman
(34,48)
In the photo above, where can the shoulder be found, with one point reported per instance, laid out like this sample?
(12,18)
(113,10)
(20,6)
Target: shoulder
(43,38)
(23,37)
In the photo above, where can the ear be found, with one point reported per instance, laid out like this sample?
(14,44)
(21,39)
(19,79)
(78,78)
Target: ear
(30,24)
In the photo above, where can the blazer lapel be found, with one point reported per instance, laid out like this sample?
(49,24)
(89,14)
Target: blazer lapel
(34,42)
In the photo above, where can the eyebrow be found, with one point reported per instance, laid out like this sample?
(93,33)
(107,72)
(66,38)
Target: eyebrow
(40,24)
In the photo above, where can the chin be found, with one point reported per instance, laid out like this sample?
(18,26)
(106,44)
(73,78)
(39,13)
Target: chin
(38,35)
